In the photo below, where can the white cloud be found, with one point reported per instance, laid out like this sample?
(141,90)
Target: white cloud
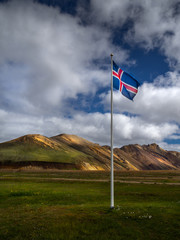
(152,23)
(48,56)
(116,13)
(170,147)
(56,48)
(93,126)
(155,102)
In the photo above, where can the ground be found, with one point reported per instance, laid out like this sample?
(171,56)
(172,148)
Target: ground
(75,205)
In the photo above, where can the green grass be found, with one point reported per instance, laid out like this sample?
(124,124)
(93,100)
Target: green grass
(33,209)
(27,152)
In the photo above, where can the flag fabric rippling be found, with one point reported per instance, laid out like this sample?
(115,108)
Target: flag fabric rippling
(124,82)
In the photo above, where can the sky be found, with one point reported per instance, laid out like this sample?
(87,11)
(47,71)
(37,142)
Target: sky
(55,69)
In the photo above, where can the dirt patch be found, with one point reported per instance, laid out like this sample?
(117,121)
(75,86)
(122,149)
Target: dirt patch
(85,180)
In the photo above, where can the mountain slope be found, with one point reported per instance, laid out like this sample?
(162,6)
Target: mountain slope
(97,155)
(151,157)
(31,148)
(72,152)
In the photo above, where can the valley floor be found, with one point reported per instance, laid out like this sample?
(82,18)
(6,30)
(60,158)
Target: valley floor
(75,205)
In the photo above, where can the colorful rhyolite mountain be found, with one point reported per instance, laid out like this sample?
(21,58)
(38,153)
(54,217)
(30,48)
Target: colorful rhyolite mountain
(72,152)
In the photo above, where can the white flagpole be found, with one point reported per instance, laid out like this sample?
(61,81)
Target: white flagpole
(112,165)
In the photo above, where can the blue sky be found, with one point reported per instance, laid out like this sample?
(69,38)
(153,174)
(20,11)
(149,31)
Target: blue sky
(55,69)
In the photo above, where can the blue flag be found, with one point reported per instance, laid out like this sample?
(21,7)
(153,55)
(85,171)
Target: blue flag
(124,82)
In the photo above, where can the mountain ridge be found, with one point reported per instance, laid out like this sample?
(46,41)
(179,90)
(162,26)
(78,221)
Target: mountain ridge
(66,151)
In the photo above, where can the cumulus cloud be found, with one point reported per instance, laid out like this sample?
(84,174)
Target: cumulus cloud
(156,102)
(48,57)
(93,126)
(170,147)
(53,53)
(115,12)
(158,26)
(151,23)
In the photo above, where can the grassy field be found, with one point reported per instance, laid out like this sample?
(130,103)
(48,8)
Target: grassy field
(41,205)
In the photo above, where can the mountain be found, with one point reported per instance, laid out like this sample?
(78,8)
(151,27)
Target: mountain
(72,152)
(151,157)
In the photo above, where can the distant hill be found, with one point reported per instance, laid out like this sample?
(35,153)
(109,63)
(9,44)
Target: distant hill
(72,152)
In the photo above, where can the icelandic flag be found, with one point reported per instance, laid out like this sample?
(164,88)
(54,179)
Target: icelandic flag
(124,82)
